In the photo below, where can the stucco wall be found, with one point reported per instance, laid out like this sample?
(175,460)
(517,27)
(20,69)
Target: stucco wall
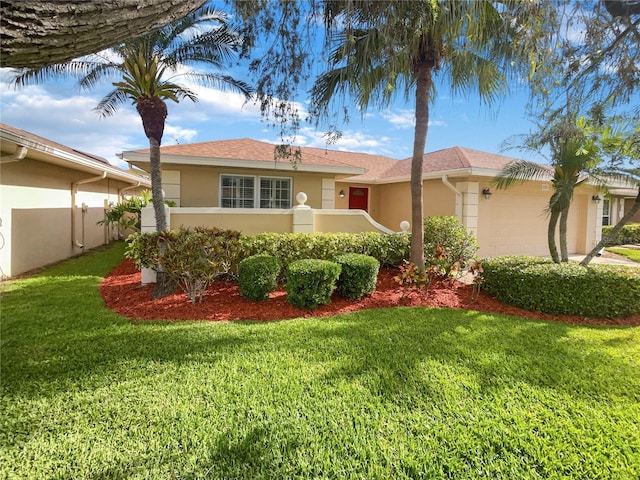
(199,186)
(35,211)
(247,221)
(395,202)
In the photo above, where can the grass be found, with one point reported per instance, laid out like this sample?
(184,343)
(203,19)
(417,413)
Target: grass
(394,393)
(630,253)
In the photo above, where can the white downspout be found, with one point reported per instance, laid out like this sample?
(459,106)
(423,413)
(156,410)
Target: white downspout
(74,190)
(124,189)
(458,193)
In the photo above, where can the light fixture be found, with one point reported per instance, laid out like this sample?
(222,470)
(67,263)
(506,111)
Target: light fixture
(487,193)
(341,193)
(596,198)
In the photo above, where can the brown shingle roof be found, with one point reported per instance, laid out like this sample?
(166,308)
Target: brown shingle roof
(378,167)
(51,143)
(248,149)
(455,158)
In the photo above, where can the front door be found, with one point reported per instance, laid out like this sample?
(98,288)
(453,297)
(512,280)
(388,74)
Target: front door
(359,198)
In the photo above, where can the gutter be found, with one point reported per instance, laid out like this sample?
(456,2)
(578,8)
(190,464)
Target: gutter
(125,189)
(459,198)
(74,190)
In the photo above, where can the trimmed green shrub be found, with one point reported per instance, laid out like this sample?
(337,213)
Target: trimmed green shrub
(258,276)
(448,245)
(358,275)
(310,282)
(538,284)
(388,249)
(629,233)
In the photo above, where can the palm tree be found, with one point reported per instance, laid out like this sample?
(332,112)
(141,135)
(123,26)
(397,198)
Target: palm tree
(574,157)
(202,38)
(379,49)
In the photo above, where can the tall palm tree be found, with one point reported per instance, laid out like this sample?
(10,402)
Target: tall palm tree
(573,161)
(201,39)
(380,49)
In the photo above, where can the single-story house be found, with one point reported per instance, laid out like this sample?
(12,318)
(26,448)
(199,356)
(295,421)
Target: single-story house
(51,198)
(239,184)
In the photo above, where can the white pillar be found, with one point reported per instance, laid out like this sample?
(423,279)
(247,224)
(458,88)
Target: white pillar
(148,224)
(302,215)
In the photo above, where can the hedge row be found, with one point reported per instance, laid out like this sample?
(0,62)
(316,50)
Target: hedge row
(538,284)
(629,233)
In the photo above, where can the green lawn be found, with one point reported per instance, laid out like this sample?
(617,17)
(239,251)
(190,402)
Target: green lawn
(630,253)
(387,394)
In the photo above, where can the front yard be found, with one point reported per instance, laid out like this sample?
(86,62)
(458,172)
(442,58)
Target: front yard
(391,393)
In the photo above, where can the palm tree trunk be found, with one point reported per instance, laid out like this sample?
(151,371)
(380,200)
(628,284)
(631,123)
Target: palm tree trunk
(156,185)
(551,236)
(564,253)
(423,90)
(614,231)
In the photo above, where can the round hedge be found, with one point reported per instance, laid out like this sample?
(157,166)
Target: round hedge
(258,275)
(310,282)
(358,276)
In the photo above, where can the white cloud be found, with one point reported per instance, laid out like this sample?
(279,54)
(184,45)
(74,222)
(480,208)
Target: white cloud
(403,118)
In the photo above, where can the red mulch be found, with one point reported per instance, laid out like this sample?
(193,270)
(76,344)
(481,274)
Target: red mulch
(122,292)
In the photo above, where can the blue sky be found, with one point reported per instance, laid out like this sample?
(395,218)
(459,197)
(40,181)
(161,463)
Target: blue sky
(61,112)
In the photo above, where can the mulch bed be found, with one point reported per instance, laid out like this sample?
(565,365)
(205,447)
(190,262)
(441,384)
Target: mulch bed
(123,293)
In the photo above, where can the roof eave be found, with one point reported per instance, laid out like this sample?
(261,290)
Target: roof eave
(62,158)
(249,164)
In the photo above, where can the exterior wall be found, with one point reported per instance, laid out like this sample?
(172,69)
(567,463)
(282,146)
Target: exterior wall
(35,211)
(249,222)
(199,186)
(628,203)
(395,202)
(373,201)
(353,221)
(245,220)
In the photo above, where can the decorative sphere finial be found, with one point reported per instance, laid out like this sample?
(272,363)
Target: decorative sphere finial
(404,226)
(301,198)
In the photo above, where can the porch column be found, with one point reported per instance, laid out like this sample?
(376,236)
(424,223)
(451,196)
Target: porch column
(328,193)
(148,224)
(470,193)
(302,215)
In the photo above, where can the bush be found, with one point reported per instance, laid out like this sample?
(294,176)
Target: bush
(191,257)
(388,249)
(448,245)
(310,282)
(258,275)
(629,233)
(358,275)
(538,284)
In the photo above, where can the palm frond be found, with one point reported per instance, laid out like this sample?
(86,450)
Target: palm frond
(520,171)
(222,82)
(111,101)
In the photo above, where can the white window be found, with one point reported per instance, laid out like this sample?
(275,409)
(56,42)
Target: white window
(237,191)
(606,213)
(275,192)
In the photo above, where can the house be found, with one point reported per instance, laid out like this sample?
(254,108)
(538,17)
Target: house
(51,198)
(238,184)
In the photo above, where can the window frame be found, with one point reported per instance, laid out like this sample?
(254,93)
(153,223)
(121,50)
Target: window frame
(257,189)
(606,212)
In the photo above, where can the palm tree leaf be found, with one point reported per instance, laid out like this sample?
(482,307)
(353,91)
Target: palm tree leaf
(520,171)
(111,101)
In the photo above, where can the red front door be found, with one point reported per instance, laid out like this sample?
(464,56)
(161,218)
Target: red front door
(359,198)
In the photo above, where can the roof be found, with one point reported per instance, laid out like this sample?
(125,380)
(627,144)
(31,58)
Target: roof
(358,167)
(43,149)
(450,160)
(248,153)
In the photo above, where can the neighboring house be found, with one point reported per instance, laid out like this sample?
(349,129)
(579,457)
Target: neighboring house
(238,184)
(51,198)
